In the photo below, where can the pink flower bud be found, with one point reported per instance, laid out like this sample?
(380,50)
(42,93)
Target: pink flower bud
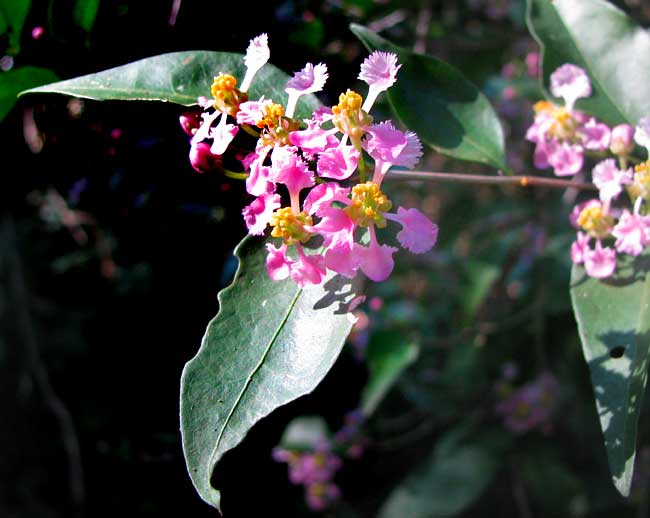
(37,32)
(622,140)
(202,159)
(190,122)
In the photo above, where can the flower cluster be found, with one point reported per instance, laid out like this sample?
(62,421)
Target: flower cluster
(562,136)
(312,163)
(315,469)
(529,406)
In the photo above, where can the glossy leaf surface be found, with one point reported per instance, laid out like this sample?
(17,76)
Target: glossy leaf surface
(270,343)
(614,323)
(437,102)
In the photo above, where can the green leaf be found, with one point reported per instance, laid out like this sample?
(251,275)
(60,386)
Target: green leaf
(609,45)
(16,80)
(451,479)
(613,318)
(270,343)
(177,77)
(437,102)
(85,13)
(13,14)
(389,353)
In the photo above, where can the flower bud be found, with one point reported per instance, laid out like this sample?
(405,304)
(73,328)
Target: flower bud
(202,159)
(622,140)
(190,122)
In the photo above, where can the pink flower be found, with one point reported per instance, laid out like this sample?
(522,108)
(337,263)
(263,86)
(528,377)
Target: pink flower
(376,260)
(258,181)
(632,233)
(314,139)
(579,247)
(622,140)
(609,179)
(575,213)
(309,269)
(321,495)
(310,79)
(259,212)
(278,265)
(341,256)
(532,64)
(202,159)
(321,197)
(389,146)
(252,111)
(571,83)
(339,162)
(257,54)
(379,71)
(566,159)
(600,262)
(222,134)
(288,168)
(595,135)
(418,233)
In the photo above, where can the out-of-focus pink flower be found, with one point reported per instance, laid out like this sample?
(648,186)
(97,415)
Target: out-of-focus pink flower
(321,495)
(579,248)
(571,83)
(532,64)
(600,262)
(609,179)
(632,233)
(595,135)
(622,140)
(418,233)
(642,133)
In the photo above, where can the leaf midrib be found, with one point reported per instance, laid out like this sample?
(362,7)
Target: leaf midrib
(215,452)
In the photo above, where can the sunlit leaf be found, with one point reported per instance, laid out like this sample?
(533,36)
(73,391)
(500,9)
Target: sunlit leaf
(177,77)
(614,322)
(271,343)
(437,102)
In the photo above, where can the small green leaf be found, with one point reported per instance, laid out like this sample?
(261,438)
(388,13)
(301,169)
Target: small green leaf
(609,45)
(13,14)
(613,318)
(437,102)
(270,343)
(85,13)
(451,479)
(389,353)
(305,433)
(16,80)
(177,77)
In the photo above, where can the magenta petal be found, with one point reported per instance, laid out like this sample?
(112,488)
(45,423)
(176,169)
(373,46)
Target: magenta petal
(376,260)
(631,233)
(278,265)
(339,162)
(566,159)
(309,269)
(320,198)
(340,257)
(418,233)
(579,248)
(288,168)
(600,262)
(259,212)
(595,135)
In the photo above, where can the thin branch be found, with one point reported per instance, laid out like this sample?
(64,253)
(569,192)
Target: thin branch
(20,297)
(517,180)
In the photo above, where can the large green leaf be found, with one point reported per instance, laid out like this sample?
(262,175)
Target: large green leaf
(389,353)
(437,102)
(271,343)
(451,479)
(13,81)
(178,77)
(603,40)
(614,323)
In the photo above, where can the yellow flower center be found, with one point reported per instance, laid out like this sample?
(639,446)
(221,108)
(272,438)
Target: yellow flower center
(368,205)
(226,96)
(564,125)
(272,116)
(349,118)
(595,221)
(641,185)
(289,226)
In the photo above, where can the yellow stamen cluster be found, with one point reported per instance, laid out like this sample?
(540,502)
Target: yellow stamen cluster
(595,221)
(564,125)
(641,185)
(226,96)
(272,116)
(368,205)
(349,118)
(289,226)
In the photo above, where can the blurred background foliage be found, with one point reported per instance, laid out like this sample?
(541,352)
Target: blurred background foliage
(464,375)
